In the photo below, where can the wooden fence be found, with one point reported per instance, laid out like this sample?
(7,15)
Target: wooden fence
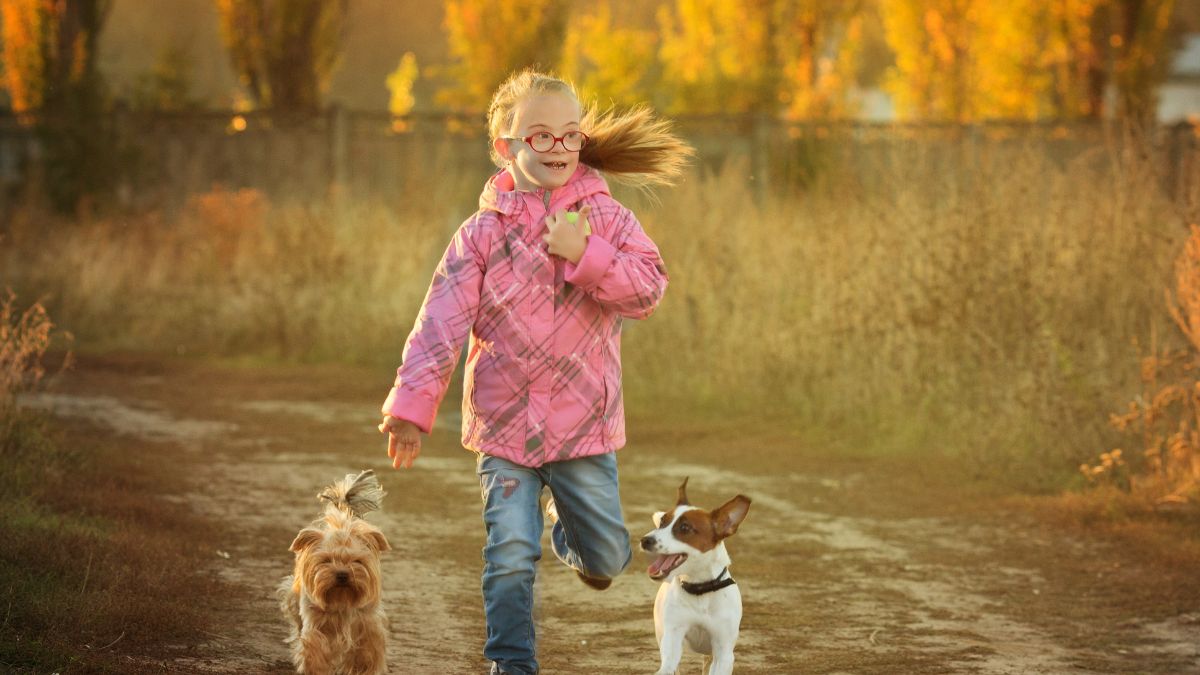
(167,156)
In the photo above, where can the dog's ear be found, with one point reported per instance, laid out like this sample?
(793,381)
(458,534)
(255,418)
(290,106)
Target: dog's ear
(308,537)
(377,541)
(730,514)
(681,496)
(371,535)
(657,518)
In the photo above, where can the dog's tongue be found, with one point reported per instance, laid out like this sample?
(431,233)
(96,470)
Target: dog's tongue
(660,563)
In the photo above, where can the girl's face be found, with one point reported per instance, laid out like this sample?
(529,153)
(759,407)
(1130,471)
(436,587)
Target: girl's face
(551,113)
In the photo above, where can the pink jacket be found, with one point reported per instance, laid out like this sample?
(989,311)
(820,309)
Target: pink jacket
(543,371)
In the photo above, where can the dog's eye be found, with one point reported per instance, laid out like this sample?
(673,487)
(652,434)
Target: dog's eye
(685,528)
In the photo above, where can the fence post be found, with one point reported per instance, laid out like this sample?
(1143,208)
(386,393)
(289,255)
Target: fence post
(760,161)
(338,149)
(1178,139)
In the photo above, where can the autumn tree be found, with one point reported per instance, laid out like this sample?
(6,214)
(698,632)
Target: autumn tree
(966,60)
(610,63)
(1142,44)
(817,45)
(489,40)
(50,50)
(717,56)
(50,76)
(773,56)
(284,51)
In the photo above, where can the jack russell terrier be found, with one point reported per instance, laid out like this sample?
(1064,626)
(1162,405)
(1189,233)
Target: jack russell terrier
(697,602)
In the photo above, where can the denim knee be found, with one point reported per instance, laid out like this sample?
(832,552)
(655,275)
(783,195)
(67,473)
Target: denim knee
(511,555)
(609,566)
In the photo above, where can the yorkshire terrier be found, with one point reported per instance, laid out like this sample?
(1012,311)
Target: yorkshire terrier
(332,599)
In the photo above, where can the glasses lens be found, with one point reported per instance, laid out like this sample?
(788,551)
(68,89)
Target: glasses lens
(542,142)
(573,141)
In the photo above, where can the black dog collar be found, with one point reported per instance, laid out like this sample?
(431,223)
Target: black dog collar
(709,586)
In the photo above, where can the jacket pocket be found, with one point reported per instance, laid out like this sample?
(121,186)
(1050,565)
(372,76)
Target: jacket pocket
(496,391)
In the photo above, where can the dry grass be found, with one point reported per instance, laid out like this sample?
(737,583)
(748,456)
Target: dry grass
(92,556)
(983,303)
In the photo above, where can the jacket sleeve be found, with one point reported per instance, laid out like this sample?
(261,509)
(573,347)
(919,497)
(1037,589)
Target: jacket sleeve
(442,326)
(626,275)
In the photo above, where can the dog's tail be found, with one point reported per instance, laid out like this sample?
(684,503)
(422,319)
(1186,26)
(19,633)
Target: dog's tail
(358,493)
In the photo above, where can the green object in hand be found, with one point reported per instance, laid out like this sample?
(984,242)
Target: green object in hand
(573,217)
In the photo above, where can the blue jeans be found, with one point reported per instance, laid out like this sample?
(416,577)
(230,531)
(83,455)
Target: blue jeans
(590,537)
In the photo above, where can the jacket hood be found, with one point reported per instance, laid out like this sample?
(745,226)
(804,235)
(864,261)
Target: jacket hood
(500,193)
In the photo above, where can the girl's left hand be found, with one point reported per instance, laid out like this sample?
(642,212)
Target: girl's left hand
(566,239)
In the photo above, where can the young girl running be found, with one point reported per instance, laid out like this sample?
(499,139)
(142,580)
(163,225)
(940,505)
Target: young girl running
(540,279)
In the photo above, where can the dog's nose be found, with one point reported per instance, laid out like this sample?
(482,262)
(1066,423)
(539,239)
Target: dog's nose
(647,543)
(343,577)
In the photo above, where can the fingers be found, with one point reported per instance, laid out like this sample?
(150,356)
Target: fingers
(406,454)
(404,442)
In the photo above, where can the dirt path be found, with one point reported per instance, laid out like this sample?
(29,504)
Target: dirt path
(845,565)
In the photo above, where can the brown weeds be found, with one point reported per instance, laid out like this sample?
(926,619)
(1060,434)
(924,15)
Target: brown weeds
(1166,418)
(24,339)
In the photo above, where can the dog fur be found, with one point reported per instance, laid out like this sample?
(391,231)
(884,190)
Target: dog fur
(332,598)
(689,545)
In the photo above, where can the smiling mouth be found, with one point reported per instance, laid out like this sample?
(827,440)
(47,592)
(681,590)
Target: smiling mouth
(664,564)
(558,166)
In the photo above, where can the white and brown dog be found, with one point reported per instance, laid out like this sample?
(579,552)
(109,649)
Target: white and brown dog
(333,597)
(697,602)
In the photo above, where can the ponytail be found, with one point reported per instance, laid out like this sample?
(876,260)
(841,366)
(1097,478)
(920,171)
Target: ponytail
(634,147)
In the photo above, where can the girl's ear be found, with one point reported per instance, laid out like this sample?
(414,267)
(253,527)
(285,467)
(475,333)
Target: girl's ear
(501,147)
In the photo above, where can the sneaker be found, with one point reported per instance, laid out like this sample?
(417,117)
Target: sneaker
(598,583)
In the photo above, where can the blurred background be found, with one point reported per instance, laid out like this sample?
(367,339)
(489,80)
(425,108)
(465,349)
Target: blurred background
(938,227)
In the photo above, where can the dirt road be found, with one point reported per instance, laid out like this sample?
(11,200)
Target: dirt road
(846,564)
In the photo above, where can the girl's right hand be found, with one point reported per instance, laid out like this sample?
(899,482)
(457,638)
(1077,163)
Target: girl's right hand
(404,441)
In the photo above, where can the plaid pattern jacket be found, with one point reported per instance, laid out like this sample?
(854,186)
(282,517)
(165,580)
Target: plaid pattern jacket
(543,370)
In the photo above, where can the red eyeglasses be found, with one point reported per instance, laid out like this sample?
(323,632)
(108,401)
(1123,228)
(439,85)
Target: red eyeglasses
(544,141)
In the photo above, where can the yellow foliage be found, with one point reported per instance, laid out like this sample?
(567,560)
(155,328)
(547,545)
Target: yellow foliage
(490,40)
(818,53)
(716,56)
(606,62)
(740,56)
(400,83)
(967,60)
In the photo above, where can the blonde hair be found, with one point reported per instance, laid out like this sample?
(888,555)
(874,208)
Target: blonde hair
(633,146)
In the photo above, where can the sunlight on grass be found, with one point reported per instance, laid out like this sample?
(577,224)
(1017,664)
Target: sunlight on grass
(981,303)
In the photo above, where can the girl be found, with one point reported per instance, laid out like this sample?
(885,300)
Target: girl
(540,278)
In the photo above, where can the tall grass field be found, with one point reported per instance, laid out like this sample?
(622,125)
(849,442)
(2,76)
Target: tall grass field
(991,305)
